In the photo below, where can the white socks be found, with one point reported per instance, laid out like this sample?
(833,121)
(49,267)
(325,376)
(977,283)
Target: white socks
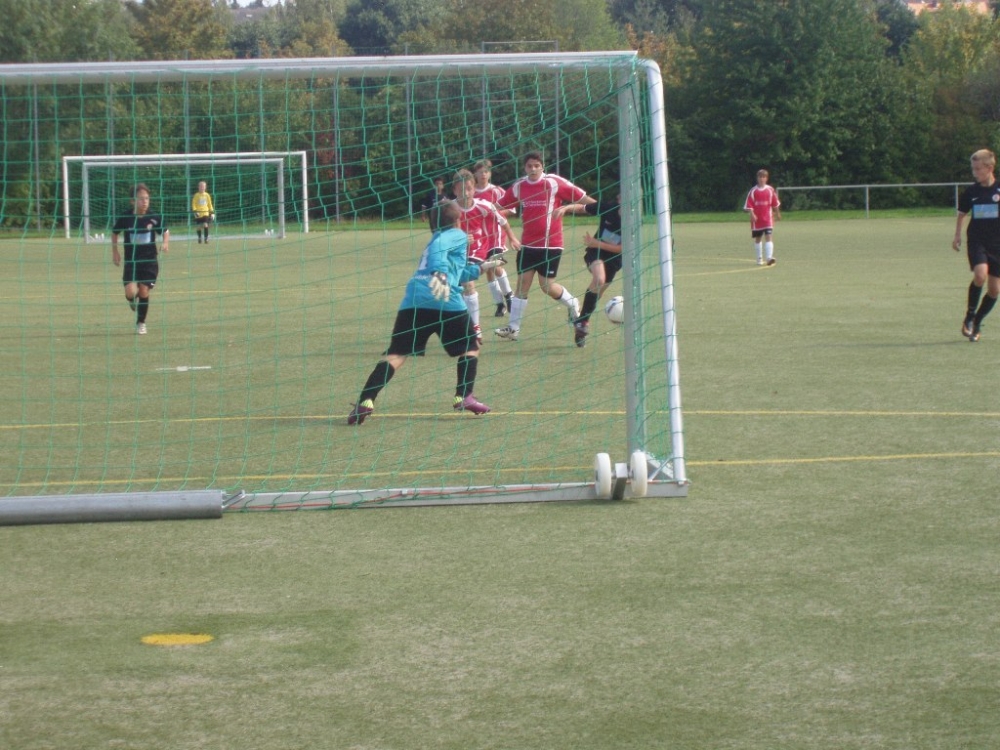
(517,307)
(472,302)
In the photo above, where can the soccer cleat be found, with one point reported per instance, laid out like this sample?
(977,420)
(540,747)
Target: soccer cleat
(574,311)
(967,324)
(140,329)
(580,331)
(470,403)
(132,304)
(771,261)
(760,261)
(507,332)
(360,412)
(479,333)
(501,310)
(974,334)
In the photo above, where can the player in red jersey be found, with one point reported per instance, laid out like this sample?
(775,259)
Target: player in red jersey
(764,208)
(477,216)
(496,243)
(543,199)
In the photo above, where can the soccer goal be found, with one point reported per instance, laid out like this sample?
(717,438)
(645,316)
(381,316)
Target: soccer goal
(257,349)
(249,191)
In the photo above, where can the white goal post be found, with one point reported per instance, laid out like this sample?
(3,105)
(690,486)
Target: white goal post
(295,161)
(617,124)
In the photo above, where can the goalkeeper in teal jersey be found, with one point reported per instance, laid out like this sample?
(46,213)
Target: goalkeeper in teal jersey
(433,303)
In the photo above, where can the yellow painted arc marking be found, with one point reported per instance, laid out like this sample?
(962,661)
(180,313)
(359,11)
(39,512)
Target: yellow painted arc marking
(177,639)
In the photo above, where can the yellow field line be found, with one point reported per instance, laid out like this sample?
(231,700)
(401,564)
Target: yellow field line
(499,413)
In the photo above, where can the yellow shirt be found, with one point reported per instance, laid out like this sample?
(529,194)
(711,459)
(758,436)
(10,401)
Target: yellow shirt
(201,204)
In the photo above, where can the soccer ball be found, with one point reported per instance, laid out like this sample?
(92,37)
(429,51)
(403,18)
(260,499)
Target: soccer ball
(615,310)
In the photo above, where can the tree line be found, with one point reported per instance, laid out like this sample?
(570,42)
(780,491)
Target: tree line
(819,92)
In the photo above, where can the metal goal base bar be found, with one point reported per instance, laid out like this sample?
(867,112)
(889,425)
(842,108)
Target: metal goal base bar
(123,506)
(429,496)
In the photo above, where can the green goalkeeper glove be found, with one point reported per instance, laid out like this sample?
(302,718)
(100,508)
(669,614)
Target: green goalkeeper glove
(440,288)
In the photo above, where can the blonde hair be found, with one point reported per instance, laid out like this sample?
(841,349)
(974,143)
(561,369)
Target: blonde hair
(984,156)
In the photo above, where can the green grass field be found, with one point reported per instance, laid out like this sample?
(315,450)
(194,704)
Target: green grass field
(829,583)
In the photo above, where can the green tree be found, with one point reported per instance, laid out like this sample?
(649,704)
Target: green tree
(899,22)
(797,86)
(375,26)
(951,62)
(57,31)
(571,24)
(180,29)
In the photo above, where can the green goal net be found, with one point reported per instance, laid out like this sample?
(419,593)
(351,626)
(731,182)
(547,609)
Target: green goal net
(259,341)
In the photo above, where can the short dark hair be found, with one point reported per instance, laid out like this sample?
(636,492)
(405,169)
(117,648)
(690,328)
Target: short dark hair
(536,155)
(444,215)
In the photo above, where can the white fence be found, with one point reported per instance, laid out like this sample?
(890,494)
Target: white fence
(956,187)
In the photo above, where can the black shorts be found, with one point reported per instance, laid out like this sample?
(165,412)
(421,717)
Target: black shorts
(203,221)
(612,261)
(978,255)
(543,260)
(140,272)
(758,233)
(414,326)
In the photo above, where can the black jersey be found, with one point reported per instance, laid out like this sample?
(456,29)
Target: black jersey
(140,235)
(982,205)
(610,228)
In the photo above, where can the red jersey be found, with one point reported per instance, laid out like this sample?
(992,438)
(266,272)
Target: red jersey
(474,221)
(539,228)
(761,202)
(493,229)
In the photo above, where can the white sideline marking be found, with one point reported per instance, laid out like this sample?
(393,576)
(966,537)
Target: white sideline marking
(183,368)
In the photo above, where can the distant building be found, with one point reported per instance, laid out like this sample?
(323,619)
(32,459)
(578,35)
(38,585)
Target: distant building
(919,6)
(246,15)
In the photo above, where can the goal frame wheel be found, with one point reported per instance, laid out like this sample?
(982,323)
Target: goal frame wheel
(639,471)
(602,476)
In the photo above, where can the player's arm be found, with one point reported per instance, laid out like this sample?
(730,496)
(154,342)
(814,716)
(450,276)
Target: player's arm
(165,245)
(508,233)
(116,257)
(577,207)
(590,241)
(956,244)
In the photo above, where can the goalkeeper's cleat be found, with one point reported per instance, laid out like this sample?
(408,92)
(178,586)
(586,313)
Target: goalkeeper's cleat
(507,332)
(478,329)
(967,324)
(501,310)
(361,411)
(580,330)
(140,329)
(470,403)
(974,335)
